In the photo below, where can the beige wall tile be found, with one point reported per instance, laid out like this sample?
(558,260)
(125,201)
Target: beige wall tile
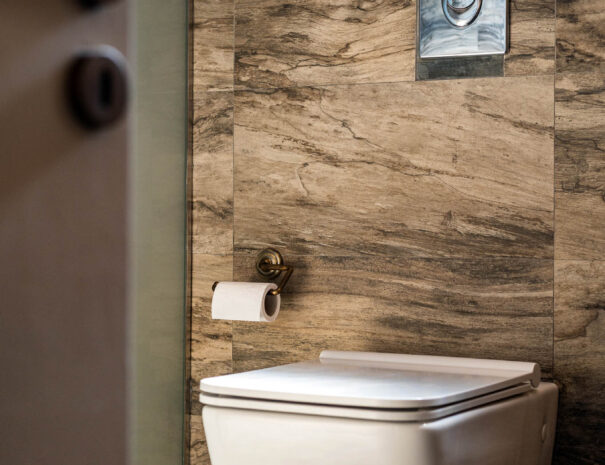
(580,132)
(198,449)
(447,168)
(580,35)
(312,42)
(211,339)
(213,173)
(211,353)
(213,37)
(579,360)
(579,226)
(532,38)
(580,166)
(496,308)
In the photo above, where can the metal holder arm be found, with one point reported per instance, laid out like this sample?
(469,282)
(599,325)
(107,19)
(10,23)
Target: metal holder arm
(270,264)
(286,270)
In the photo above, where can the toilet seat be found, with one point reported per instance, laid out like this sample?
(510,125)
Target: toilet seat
(371,386)
(357,412)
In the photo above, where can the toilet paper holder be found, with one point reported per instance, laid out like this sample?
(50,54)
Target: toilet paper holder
(270,264)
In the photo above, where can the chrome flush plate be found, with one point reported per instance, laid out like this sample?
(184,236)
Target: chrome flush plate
(449,28)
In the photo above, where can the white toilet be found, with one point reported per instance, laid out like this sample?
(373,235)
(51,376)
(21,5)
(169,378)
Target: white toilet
(361,408)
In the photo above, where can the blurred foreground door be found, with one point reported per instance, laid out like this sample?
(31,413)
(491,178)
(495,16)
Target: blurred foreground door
(63,239)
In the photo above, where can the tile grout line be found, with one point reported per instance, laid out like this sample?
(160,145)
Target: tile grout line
(373,83)
(233,169)
(355,84)
(189,397)
(554,199)
(249,254)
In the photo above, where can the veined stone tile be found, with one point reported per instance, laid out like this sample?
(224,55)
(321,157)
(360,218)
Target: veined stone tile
(213,173)
(211,339)
(436,169)
(316,42)
(213,45)
(532,38)
(492,308)
(210,342)
(198,449)
(580,35)
(579,225)
(579,361)
(580,166)
(580,133)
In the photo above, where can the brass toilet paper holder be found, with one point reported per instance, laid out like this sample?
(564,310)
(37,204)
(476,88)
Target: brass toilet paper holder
(270,264)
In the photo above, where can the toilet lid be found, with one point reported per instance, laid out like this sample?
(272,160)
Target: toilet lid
(376,381)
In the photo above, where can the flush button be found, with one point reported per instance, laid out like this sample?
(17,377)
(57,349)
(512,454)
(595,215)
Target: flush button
(461,13)
(97,87)
(460,6)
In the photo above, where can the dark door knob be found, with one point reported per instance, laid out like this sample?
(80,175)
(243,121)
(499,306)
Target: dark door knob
(95,3)
(98,87)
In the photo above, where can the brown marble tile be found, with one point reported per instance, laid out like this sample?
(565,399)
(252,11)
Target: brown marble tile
(493,308)
(579,226)
(213,173)
(580,166)
(441,168)
(210,339)
(580,35)
(580,133)
(198,449)
(314,42)
(210,342)
(532,38)
(580,361)
(213,52)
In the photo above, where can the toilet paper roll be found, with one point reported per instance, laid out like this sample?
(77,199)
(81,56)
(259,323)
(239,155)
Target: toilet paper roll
(245,302)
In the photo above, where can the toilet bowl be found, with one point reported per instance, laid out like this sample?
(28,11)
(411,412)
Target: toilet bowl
(362,408)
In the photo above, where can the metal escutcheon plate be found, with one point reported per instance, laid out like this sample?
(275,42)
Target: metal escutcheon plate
(271,256)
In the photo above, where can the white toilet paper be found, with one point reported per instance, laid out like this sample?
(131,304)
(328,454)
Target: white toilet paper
(245,302)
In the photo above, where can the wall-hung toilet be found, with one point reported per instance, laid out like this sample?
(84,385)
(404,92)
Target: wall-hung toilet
(359,408)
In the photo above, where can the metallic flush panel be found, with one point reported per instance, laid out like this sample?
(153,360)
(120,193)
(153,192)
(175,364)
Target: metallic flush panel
(450,28)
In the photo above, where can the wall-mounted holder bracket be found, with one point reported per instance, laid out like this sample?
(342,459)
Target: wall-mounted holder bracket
(270,264)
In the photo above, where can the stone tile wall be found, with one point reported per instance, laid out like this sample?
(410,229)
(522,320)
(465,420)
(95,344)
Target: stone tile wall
(458,217)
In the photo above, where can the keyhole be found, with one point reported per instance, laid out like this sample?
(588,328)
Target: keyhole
(105,88)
